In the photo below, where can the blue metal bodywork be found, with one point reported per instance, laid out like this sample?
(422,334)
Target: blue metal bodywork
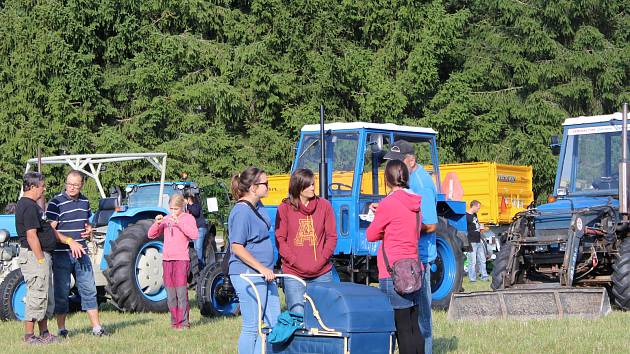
(7,222)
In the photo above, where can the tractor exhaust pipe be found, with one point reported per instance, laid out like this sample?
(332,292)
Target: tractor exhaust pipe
(623,166)
(323,166)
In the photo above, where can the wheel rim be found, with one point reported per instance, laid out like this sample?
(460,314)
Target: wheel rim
(149,271)
(443,270)
(225,306)
(18,301)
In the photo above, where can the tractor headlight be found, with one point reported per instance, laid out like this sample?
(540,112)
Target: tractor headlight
(541,248)
(4,235)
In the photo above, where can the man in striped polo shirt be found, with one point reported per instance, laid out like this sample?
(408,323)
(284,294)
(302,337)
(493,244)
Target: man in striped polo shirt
(69,212)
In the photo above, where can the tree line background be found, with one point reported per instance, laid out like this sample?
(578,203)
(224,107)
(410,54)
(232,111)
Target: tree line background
(219,85)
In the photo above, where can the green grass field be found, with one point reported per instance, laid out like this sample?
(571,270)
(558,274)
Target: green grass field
(142,333)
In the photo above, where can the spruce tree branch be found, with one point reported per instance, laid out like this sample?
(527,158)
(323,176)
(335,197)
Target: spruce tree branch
(497,91)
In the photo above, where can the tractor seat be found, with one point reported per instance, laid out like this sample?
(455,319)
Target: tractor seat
(106,207)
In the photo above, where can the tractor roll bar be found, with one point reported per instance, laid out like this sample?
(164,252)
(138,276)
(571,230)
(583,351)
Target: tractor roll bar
(95,161)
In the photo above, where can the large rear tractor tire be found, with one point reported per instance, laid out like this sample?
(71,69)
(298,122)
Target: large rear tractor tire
(12,295)
(215,298)
(134,270)
(621,276)
(447,269)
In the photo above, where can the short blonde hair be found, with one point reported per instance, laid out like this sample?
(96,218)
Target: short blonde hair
(177,200)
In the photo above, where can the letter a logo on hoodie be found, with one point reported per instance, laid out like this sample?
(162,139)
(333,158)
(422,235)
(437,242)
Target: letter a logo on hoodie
(306,232)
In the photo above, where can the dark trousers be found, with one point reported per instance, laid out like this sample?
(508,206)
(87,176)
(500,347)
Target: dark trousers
(410,340)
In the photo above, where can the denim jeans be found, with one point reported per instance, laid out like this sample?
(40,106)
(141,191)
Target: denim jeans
(424,316)
(64,264)
(199,246)
(294,291)
(478,254)
(249,341)
(397,300)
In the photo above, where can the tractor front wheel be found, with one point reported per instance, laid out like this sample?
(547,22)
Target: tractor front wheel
(215,294)
(500,266)
(12,294)
(448,268)
(621,276)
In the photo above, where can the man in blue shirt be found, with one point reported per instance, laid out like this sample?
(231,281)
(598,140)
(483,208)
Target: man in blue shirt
(422,184)
(69,213)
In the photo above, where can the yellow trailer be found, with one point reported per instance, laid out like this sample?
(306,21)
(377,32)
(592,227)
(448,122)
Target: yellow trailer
(502,190)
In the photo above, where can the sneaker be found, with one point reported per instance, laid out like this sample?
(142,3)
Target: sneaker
(63,333)
(32,340)
(49,339)
(101,333)
(485,279)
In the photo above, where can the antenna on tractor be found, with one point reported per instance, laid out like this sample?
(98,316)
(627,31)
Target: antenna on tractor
(323,166)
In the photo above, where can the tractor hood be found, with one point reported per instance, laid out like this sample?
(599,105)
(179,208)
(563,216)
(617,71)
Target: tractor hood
(557,215)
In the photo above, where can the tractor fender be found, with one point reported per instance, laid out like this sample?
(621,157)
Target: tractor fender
(7,222)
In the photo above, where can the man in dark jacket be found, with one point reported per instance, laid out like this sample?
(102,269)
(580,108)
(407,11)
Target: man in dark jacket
(478,254)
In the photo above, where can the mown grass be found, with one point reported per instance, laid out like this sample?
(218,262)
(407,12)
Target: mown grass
(142,333)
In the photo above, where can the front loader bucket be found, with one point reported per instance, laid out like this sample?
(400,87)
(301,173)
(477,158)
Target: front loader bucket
(530,303)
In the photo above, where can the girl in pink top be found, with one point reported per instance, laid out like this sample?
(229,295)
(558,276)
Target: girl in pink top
(178,228)
(397,223)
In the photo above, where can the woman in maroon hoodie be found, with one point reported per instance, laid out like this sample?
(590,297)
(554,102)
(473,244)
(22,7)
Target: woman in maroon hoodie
(397,225)
(306,235)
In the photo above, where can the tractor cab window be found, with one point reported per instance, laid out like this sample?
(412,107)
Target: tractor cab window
(149,195)
(377,145)
(590,163)
(341,154)
(373,179)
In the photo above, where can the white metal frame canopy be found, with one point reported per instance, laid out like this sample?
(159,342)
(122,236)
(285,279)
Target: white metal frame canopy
(90,164)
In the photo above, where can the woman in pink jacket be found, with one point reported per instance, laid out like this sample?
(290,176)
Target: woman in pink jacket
(178,228)
(397,223)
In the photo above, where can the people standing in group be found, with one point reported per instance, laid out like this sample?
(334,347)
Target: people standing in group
(306,236)
(252,253)
(421,183)
(69,213)
(194,208)
(37,240)
(478,253)
(178,228)
(397,223)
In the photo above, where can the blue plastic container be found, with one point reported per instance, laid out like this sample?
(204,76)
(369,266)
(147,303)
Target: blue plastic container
(353,318)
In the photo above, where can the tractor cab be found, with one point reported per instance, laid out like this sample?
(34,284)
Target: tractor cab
(355,165)
(587,174)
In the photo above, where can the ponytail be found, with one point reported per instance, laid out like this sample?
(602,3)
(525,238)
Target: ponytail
(241,182)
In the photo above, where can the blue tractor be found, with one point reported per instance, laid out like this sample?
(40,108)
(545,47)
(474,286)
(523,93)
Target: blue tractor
(571,255)
(127,265)
(353,179)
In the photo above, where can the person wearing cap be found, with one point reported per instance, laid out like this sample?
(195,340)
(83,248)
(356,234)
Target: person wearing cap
(421,183)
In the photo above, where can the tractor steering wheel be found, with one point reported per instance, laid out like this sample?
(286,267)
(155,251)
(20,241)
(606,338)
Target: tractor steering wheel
(339,186)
